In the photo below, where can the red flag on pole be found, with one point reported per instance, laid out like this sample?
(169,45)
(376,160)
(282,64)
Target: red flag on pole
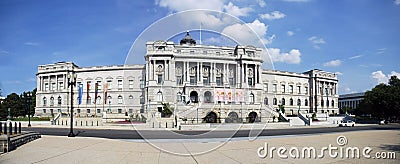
(87,92)
(96,90)
(105,92)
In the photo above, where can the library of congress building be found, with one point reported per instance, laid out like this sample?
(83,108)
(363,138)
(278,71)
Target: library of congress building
(208,84)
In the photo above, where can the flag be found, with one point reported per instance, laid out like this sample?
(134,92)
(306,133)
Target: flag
(80,92)
(87,93)
(96,90)
(105,92)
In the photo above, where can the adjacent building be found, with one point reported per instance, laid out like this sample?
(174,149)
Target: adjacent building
(201,82)
(350,101)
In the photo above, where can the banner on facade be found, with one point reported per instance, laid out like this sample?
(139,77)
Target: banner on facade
(229,95)
(80,92)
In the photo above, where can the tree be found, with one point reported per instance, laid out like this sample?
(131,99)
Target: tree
(12,101)
(167,109)
(383,100)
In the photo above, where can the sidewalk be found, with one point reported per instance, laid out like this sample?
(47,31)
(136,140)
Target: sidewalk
(55,149)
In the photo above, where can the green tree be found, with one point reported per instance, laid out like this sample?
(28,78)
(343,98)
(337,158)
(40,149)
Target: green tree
(167,109)
(12,101)
(383,100)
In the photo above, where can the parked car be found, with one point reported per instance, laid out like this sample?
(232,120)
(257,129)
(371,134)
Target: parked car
(347,123)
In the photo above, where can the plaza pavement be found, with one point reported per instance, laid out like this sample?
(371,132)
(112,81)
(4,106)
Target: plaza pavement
(59,149)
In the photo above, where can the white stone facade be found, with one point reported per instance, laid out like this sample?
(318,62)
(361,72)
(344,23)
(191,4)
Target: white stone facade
(206,83)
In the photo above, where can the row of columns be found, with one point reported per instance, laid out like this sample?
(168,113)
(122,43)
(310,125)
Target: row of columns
(49,80)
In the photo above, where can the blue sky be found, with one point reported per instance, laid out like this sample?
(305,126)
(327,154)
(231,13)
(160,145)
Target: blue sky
(358,39)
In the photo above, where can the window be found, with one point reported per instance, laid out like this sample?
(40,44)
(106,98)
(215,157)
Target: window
(298,89)
(99,86)
(109,110)
(306,90)
(305,102)
(275,101)
(218,80)
(98,100)
(179,80)
(119,84)
(291,101)
(283,88)
(232,82)
(109,99)
(51,111)
(44,101)
(87,110)
(250,81)
(333,103)
(191,52)
(46,86)
(59,100)
(142,84)
(265,101)
(130,84)
(141,99)
(109,84)
(53,86)
(44,110)
(274,88)
(322,102)
(291,89)
(251,98)
(119,110)
(130,110)
(98,110)
(298,102)
(205,81)
(192,80)
(119,99)
(59,110)
(266,87)
(60,85)
(130,97)
(78,110)
(51,101)
(159,96)
(283,101)
(327,103)
(160,79)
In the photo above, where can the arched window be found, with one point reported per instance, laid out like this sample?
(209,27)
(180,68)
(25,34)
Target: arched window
(333,103)
(298,102)
(322,102)
(119,99)
(251,98)
(44,101)
(130,97)
(208,97)
(291,102)
(159,96)
(266,101)
(51,101)
(327,103)
(59,100)
(283,101)
(305,102)
(98,101)
(274,101)
(109,99)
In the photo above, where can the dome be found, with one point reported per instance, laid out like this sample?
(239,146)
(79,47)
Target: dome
(187,39)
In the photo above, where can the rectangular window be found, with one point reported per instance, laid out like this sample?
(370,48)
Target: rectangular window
(306,90)
(51,111)
(119,84)
(78,111)
(159,79)
(299,89)
(205,81)
(87,110)
(274,89)
(283,88)
(266,87)
(130,84)
(179,80)
(130,110)
(99,86)
(231,82)
(60,86)
(109,84)
(44,110)
(46,86)
(193,80)
(218,81)
(291,89)
(142,84)
(119,110)
(250,81)
(53,86)
(98,110)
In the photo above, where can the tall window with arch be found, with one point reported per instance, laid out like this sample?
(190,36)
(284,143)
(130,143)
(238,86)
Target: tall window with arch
(44,101)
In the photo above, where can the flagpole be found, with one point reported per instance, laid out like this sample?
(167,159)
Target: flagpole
(200,33)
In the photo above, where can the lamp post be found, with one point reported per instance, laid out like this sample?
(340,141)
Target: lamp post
(71,84)
(29,100)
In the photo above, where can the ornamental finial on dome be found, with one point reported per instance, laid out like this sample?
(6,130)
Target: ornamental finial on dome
(188,39)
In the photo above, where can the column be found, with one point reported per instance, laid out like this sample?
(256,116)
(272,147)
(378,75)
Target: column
(153,69)
(245,72)
(166,72)
(255,74)
(187,71)
(236,75)
(215,72)
(201,72)
(198,72)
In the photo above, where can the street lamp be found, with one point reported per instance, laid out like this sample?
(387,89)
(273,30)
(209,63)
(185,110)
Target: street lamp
(29,100)
(72,83)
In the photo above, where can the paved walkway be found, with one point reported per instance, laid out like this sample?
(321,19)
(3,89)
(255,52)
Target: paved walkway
(56,149)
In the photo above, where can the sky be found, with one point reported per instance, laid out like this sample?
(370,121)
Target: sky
(357,39)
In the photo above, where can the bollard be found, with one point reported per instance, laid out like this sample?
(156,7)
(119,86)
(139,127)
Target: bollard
(166,125)
(153,124)
(10,128)
(81,123)
(15,127)
(97,123)
(179,127)
(5,128)
(19,130)
(86,123)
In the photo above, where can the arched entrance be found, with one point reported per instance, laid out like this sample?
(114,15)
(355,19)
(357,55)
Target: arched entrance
(232,118)
(208,97)
(252,117)
(211,118)
(194,97)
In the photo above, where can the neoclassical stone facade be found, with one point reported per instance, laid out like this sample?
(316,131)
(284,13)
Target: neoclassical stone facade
(201,82)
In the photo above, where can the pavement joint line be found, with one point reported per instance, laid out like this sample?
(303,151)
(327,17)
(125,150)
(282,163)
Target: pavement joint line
(228,156)
(67,152)
(190,153)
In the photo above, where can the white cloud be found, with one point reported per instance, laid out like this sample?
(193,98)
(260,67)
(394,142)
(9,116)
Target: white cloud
(273,15)
(355,57)
(181,5)
(347,89)
(31,43)
(380,77)
(236,11)
(339,73)
(290,33)
(261,3)
(397,2)
(293,57)
(3,51)
(316,41)
(333,63)
(245,36)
